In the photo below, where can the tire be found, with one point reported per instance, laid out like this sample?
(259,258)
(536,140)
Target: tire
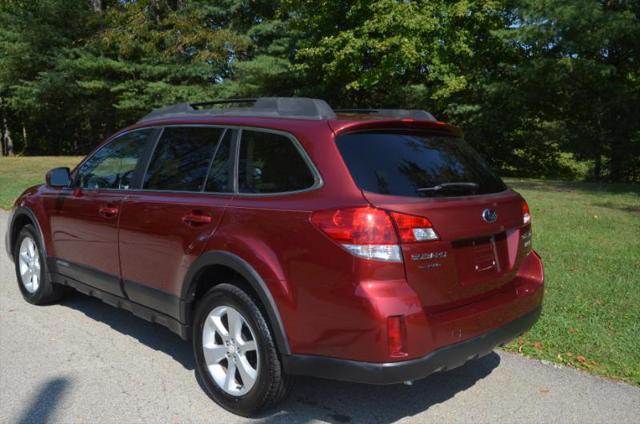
(215,313)
(31,269)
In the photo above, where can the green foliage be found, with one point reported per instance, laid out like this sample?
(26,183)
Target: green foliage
(531,82)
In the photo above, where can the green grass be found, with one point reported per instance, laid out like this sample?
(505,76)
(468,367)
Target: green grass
(589,238)
(18,173)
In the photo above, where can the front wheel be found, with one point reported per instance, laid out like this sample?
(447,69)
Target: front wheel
(30,269)
(236,358)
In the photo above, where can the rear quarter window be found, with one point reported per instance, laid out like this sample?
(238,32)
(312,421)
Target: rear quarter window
(416,165)
(271,163)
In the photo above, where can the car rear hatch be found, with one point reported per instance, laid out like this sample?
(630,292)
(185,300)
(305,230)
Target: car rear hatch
(482,235)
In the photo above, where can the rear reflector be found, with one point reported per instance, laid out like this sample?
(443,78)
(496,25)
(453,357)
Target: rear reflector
(526,215)
(370,233)
(396,336)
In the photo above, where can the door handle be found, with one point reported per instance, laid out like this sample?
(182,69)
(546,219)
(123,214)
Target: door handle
(108,211)
(196,218)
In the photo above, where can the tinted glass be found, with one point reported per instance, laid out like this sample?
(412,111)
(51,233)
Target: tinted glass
(410,164)
(270,163)
(219,180)
(181,159)
(114,165)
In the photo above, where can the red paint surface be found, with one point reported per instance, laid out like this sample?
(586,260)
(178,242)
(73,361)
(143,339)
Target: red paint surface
(331,302)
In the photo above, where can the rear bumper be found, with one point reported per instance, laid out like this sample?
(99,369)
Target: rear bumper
(442,359)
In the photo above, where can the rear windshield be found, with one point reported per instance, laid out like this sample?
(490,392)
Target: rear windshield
(416,165)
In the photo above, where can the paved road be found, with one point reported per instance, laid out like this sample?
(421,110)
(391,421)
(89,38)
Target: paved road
(83,361)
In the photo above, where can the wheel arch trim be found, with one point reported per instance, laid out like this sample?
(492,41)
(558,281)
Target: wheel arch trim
(242,267)
(12,234)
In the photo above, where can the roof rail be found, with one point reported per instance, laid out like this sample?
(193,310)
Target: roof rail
(289,107)
(417,114)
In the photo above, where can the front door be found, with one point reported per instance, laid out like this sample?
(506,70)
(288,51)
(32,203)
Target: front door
(165,226)
(84,218)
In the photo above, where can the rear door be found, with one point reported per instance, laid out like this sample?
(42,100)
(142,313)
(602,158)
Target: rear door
(164,226)
(478,220)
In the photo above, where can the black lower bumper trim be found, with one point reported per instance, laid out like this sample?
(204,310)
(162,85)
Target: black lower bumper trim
(443,359)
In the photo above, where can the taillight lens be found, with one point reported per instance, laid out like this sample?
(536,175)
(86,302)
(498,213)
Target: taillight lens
(366,232)
(413,228)
(526,215)
(369,232)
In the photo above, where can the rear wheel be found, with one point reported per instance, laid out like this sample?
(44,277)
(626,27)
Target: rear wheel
(236,358)
(30,269)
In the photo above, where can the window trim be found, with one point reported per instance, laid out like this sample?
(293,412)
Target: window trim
(435,132)
(213,158)
(154,139)
(317,178)
(235,149)
(224,128)
(156,142)
(136,175)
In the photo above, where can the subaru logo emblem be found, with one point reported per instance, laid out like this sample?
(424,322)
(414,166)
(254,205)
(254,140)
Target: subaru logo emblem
(489,215)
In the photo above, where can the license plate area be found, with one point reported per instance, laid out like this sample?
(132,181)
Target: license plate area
(479,259)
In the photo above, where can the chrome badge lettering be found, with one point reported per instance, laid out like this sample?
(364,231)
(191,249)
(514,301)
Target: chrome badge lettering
(429,255)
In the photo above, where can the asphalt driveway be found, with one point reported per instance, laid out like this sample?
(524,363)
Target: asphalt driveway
(84,361)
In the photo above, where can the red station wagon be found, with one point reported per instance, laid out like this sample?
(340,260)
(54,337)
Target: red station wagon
(285,238)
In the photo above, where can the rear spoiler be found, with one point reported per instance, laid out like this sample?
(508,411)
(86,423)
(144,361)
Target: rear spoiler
(341,127)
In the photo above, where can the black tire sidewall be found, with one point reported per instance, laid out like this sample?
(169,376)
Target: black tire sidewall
(254,400)
(37,296)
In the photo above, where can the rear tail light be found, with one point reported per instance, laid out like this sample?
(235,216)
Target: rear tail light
(396,336)
(413,228)
(526,215)
(369,232)
(366,232)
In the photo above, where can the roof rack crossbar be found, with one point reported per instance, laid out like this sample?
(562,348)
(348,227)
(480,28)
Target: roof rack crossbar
(418,114)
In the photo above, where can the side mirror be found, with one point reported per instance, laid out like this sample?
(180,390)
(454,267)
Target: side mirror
(59,177)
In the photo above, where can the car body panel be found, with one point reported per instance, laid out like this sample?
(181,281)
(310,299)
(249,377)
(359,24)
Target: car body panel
(83,240)
(320,299)
(157,246)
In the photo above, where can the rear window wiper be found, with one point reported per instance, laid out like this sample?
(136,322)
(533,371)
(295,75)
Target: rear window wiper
(462,186)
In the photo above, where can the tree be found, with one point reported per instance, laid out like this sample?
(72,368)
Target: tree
(531,82)
(582,69)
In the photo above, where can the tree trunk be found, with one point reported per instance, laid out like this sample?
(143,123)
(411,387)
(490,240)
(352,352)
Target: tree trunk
(97,5)
(6,144)
(24,138)
(597,168)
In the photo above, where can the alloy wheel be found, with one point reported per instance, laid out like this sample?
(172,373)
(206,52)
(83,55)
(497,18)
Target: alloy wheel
(230,350)
(29,265)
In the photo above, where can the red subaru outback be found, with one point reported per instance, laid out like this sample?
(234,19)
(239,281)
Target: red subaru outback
(286,238)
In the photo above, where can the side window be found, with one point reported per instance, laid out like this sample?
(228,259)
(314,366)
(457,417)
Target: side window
(271,163)
(219,179)
(114,165)
(181,159)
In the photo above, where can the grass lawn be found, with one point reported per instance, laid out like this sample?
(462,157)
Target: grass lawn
(18,173)
(589,238)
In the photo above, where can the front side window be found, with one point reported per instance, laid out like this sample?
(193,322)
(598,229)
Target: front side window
(271,163)
(114,165)
(181,159)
